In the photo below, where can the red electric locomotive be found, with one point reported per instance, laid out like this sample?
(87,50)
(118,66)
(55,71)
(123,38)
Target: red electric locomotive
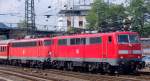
(105,52)
(30,51)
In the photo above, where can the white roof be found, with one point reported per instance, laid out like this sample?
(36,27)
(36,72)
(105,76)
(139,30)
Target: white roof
(4,42)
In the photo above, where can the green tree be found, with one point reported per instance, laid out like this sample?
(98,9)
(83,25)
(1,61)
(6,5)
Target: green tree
(105,16)
(22,24)
(92,20)
(136,12)
(136,15)
(139,9)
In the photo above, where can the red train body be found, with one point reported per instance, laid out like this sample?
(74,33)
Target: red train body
(4,49)
(98,50)
(29,49)
(102,51)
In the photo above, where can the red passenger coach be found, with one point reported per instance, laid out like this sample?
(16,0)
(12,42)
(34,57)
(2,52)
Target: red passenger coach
(4,50)
(103,51)
(30,51)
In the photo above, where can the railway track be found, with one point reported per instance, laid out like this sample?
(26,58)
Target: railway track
(25,76)
(99,77)
(5,79)
(142,76)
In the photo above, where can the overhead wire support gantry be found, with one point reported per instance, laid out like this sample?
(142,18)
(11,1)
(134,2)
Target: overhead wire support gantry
(30,17)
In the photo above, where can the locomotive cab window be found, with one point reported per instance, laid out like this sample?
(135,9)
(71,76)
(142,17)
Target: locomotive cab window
(128,39)
(95,40)
(109,39)
(123,39)
(134,39)
(40,43)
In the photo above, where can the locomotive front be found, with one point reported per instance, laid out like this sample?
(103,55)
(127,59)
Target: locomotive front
(129,52)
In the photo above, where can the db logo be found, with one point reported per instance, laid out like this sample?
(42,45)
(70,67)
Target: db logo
(77,51)
(23,52)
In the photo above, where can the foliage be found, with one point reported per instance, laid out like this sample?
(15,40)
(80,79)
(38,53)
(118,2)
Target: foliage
(137,10)
(146,29)
(22,24)
(108,16)
(105,16)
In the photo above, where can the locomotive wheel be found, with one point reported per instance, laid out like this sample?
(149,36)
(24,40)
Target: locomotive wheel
(90,68)
(70,66)
(112,70)
(14,62)
(31,64)
(107,68)
(42,66)
(58,66)
(101,71)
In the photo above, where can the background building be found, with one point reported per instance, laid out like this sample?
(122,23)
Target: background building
(73,14)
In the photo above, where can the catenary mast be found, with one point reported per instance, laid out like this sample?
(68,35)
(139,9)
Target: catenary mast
(30,17)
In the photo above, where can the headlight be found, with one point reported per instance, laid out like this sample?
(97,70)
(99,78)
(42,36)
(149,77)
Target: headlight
(123,52)
(121,57)
(137,52)
(139,57)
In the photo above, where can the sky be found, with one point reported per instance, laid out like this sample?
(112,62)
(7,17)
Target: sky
(14,10)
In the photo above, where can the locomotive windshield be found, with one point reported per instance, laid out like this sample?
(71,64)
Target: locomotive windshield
(128,39)
(123,39)
(134,38)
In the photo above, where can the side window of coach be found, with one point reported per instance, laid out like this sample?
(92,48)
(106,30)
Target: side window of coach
(2,49)
(95,40)
(62,41)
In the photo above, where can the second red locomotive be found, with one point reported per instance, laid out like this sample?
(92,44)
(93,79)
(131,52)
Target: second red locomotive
(27,51)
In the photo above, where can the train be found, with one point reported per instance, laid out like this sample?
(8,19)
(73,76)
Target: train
(112,52)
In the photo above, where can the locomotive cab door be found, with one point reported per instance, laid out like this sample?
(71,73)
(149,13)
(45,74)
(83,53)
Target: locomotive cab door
(105,47)
(108,48)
